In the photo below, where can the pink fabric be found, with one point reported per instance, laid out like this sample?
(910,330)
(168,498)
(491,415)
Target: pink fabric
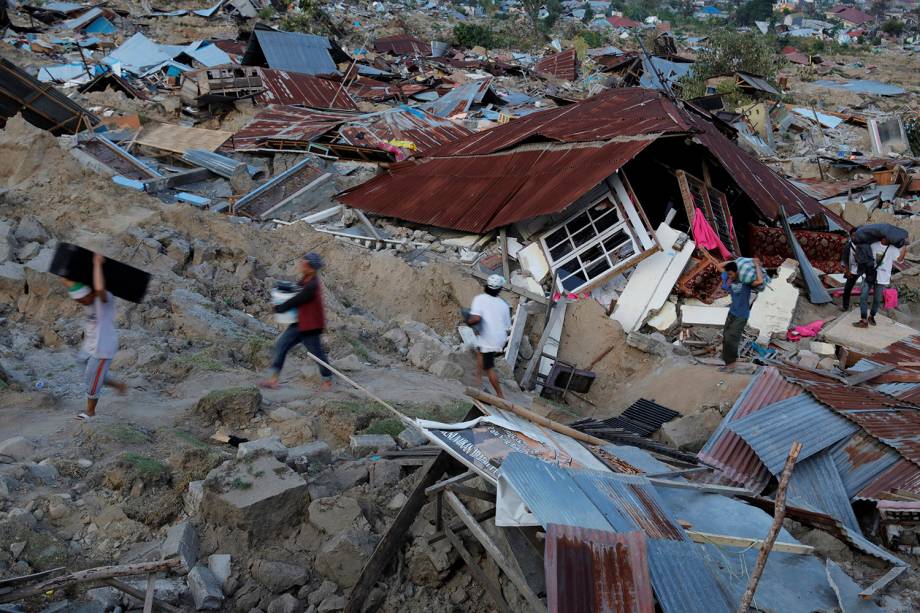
(890,298)
(706,237)
(805,331)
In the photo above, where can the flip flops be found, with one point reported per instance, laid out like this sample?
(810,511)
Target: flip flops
(268,384)
(85,417)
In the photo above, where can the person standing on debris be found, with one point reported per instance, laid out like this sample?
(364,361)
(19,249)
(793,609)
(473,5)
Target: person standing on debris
(490,317)
(871,244)
(311,320)
(848,259)
(100,336)
(740,309)
(884,257)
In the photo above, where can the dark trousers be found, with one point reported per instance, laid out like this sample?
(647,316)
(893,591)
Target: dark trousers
(731,338)
(311,341)
(864,298)
(848,290)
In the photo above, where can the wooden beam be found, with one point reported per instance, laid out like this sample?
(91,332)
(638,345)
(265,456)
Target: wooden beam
(148,597)
(473,492)
(506,266)
(487,584)
(440,485)
(725,540)
(90,574)
(158,184)
(140,596)
(883,582)
(517,333)
(555,426)
(536,604)
(556,312)
(458,526)
(386,549)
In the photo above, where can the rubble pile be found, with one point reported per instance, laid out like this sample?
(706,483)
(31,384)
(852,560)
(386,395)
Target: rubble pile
(607,167)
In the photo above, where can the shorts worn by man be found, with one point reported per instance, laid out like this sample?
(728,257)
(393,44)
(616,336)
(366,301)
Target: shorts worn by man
(492,316)
(100,336)
(739,311)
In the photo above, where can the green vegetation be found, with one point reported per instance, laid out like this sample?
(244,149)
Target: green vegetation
(266,13)
(593,39)
(359,349)
(473,35)
(201,360)
(145,466)
(589,13)
(190,439)
(127,434)
(239,484)
(753,10)
(729,51)
(893,27)
(390,425)
(545,25)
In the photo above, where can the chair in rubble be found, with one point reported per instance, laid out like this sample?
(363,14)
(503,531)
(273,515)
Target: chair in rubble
(565,378)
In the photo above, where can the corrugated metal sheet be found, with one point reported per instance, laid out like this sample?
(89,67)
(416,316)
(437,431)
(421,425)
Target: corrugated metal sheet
(629,502)
(403,123)
(771,431)
(551,493)
(562,65)
(644,417)
(402,44)
(40,104)
(488,192)
(285,127)
(815,483)
(292,88)
(727,451)
(594,570)
(902,475)
(461,98)
(378,91)
(276,189)
(860,460)
(758,82)
(906,350)
(291,51)
(683,580)
(897,428)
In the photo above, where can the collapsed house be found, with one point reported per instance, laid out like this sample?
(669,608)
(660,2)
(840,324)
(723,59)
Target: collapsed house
(592,183)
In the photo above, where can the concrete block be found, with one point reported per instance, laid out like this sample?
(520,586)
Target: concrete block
(286,603)
(181,542)
(363,444)
(279,576)
(193,496)
(16,449)
(271,444)
(822,349)
(336,514)
(206,589)
(385,472)
(342,558)
(411,437)
(219,565)
(317,452)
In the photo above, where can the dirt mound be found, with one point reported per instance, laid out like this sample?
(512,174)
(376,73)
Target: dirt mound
(30,155)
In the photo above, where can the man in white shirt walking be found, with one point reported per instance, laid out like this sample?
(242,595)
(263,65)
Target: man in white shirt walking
(100,337)
(885,255)
(490,317)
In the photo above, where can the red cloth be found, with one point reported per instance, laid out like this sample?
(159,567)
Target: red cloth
(805,331)
(706,237)
(890,298)
(311,315)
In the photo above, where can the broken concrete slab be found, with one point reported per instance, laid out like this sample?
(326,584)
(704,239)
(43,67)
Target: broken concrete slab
(279,576)
(271,444)
(384,473)
(260,497)
(690,433)
(181,542)
(342,558)
(206,589)
(309,454)
(823,349)
(336,514)
(363,444)
(665,317)
(865,340)
(219,565)
(775,305)
(192,497)
(703,315)
(286,603)
(411,437)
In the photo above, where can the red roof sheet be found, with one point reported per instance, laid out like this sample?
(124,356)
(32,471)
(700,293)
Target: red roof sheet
(378,91)
(560,65)
(285,128)
(853,15)
(622,22)
(295,88)
(594,570)
(903,475)
(402,44)
(425,130)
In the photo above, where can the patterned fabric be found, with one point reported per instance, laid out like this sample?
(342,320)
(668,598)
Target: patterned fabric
(823,249)
(702,282)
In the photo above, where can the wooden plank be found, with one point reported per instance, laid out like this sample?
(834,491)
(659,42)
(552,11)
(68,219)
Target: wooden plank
(158,605)
(91,574)
(556,314)
(744,541)
(506,267)
(473,492)
(440,485)
(148,597)
(458,526)
(513,348)
(555,426)
(494,552)
(487,584)
(883,582)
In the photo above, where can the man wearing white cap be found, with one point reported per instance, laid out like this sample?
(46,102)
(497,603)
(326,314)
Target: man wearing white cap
(100,337)
(490,316)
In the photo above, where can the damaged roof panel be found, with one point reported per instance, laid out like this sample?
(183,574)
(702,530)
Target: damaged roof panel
(488,192)
(402,44)
(285,127)
(683,580)
(902,475)
(292,88)
(815,483)
(771,431)
(291,51)
(560,65)
(595,570)
(860,460)
(424,130)
(461,98)
(40,104)
(898,428)
(728,451)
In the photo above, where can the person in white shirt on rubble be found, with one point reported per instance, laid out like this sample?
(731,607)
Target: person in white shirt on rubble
(490,317)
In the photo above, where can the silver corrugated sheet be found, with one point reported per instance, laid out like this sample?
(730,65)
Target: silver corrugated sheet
(296,52)
(771,431)
(551,494)
(682,580)
(217,163)
(860,459)
(815,483)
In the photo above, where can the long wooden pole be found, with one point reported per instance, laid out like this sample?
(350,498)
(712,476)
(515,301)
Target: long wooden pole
(555,426)
(778,514)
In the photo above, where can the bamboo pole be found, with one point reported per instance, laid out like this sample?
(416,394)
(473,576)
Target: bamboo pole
(778,514)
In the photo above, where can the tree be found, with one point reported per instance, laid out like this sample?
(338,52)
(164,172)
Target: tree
(879,8)
(684,8)
(731,51)
(533,8)
(753,10)
(589,13)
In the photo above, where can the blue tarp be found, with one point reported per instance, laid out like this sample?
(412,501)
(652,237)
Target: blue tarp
(101,25)
(863,86)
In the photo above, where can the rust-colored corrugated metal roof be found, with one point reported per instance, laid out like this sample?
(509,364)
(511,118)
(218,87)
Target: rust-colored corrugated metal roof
(562,65)
(402,44)
(366,88)
(479,193)
(899,428)
(294,88)
(903,475)
(594,570)
(403,123)
(906,350)
(280,128)
(727,451)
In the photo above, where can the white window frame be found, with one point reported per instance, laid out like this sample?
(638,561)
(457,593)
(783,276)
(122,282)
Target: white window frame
(628,218)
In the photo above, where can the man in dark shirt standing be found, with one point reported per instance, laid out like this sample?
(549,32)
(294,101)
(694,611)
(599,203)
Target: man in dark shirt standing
(739,311)
(311,321)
